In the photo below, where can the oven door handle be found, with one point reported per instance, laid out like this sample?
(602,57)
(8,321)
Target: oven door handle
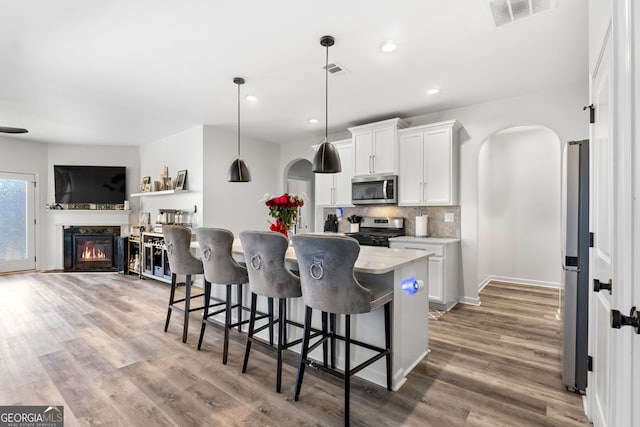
(384,189)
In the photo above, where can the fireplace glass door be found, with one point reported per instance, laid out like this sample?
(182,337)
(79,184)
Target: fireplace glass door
(93,252)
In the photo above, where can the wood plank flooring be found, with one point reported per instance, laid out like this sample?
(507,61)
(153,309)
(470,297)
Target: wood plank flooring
(95,344)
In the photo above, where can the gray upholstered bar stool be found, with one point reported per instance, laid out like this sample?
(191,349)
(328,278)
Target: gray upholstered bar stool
(328,284)
(264,253)
(177,240)
(221,269)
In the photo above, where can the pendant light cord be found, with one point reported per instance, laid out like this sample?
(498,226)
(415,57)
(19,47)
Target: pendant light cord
(326,96)
(238,120)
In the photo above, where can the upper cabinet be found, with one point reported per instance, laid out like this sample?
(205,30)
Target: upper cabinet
(334,189)
(429,165)
(375,147)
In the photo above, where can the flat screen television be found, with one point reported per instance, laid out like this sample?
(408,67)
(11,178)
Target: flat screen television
(90,184)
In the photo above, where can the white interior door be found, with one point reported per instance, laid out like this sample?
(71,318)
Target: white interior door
(601,214)
(635,355)
(17,227)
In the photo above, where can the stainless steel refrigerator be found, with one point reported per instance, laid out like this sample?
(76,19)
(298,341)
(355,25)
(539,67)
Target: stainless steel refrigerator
(576,268)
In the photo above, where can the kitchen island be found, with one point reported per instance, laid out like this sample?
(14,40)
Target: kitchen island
(409,312)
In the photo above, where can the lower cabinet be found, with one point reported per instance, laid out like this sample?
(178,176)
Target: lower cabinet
(444,267)
(155,263)
(436,279)
(134,255)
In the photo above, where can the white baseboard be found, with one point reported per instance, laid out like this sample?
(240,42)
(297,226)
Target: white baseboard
(519,281)
(469,301)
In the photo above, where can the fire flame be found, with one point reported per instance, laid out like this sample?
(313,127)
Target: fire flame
(92,253)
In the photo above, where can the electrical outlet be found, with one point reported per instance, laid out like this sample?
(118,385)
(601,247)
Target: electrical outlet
(448,217)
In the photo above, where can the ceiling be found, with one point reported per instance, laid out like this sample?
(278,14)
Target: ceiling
(124,72)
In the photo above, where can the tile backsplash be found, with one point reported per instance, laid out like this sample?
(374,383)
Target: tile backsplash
(436,225)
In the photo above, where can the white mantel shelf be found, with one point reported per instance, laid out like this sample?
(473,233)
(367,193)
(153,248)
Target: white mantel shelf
(102,211)
(158,193)
(89,216)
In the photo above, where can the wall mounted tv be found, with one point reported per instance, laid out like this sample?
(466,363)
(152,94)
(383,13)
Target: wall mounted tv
(90,184)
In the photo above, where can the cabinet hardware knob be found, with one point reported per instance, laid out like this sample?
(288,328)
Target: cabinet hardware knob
(598,286)
(618,319)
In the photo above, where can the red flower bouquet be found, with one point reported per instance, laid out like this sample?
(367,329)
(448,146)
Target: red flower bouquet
(285,210)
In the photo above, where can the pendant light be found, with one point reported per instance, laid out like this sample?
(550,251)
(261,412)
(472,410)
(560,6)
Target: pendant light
(326,159)
(238,171)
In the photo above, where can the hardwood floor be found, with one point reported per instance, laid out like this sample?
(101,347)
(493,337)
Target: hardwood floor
(95,344)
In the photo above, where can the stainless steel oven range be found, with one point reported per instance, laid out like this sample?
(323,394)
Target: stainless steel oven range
(377,231)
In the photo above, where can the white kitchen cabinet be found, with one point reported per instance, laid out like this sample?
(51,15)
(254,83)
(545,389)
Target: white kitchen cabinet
(444,267)
(375,147)
(334,189)
(429,165)
(436,279)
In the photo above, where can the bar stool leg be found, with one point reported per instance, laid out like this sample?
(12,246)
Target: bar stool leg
(171,299)
(387,340)
(227,322)
(270,307)
(239,292)
(252,322)
(347,367)
(205,315)
(285,341)
(325,344)
(281,325)
(332,331)
(187,306)
(304,352)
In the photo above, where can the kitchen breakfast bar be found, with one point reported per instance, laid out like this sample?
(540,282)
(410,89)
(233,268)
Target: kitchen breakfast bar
(381,267)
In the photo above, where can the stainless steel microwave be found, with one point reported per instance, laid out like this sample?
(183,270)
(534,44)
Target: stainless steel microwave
(374,190)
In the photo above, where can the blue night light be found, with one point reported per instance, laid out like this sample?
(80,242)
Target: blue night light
(411,285)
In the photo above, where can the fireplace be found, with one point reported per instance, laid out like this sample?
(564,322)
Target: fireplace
(90,248)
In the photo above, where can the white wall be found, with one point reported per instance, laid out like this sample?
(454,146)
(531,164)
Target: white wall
(206,153)
(181,151)
(559,110)
(29,157)
(231,205)
(519,209)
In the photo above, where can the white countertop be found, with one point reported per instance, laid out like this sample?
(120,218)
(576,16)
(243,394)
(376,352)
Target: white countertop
(373,260)
(433,240)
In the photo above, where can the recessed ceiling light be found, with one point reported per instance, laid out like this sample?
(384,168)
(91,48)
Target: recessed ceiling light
(389,47)
(251,98)
(313,120)
(433,90)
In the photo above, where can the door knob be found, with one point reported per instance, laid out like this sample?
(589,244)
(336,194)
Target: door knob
(598,286)
(633,319)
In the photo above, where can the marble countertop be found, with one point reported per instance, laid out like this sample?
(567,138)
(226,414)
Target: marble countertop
(372,260)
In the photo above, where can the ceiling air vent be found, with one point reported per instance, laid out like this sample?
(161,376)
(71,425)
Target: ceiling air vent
(335,69)
(507,11)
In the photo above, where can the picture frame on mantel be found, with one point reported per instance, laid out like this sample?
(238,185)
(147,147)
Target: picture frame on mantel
(145,185)
(181,180)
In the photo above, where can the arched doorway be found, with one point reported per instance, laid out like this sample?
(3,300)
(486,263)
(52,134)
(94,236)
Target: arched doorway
(299,180)
(519,207)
